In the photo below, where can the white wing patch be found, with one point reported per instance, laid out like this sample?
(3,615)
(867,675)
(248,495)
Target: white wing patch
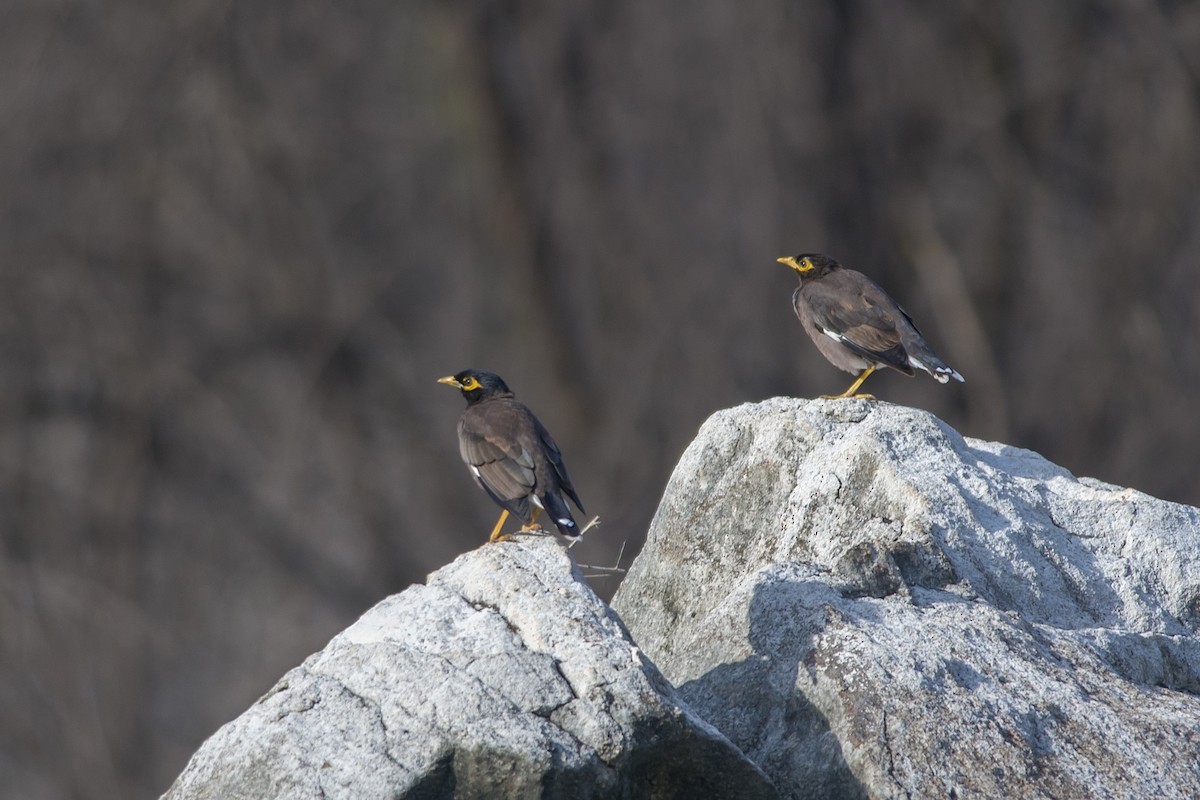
(837,337)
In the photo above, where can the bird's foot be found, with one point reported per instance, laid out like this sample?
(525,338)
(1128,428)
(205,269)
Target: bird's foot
(863,396)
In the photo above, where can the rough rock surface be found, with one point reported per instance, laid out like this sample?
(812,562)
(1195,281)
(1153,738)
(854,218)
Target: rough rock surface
(870,605)
(503,676)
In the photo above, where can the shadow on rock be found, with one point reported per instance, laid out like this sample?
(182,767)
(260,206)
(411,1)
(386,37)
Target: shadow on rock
(756,704)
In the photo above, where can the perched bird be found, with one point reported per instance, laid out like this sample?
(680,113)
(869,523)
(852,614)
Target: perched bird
(511,454)
(856,325)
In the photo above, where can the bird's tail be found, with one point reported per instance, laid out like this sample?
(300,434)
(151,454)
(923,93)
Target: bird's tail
(922,357)
(556,507)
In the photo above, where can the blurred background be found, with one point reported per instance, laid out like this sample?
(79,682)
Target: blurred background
(239,242)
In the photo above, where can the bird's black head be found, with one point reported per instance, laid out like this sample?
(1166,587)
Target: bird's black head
(810,265)
(477,384)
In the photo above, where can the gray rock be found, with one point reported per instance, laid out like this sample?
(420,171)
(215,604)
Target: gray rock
(503,677)
(870,605)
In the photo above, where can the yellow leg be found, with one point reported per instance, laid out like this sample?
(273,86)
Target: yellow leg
(854,387)
(496,537)
(531,526)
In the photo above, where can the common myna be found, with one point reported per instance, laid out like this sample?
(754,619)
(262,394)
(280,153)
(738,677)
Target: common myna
(856,325)
(511,455)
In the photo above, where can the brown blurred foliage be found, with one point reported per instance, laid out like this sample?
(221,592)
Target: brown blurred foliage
(240,241)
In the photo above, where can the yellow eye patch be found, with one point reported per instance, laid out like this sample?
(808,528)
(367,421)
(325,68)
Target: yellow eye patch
(803,265)
(470,384)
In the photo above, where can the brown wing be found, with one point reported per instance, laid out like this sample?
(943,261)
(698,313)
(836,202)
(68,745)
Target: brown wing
(560,480)
(853,309)
(493,439)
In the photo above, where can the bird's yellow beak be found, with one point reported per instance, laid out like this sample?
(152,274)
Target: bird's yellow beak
(449,381)
(789,262)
